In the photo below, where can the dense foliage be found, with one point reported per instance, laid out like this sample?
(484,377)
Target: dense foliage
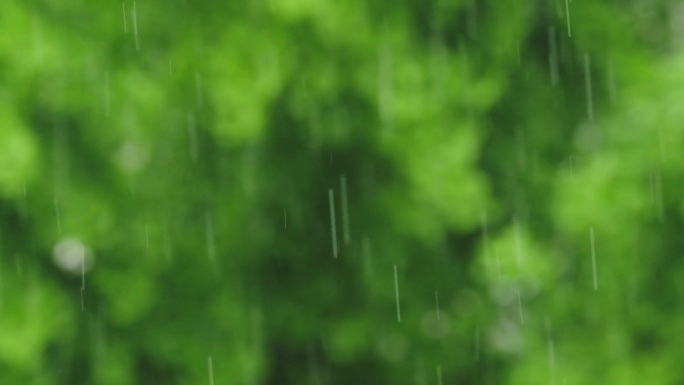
(237,192)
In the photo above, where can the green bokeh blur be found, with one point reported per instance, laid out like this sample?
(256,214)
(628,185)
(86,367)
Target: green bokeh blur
(341,192)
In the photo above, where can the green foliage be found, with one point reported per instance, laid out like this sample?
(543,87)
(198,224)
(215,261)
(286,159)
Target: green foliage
(165,170)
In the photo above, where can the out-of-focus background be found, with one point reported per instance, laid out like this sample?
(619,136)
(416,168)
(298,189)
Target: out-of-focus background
(341,192)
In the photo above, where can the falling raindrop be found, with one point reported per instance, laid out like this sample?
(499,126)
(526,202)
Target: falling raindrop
(385,86)
(209,229)
(439,375)
(345,210)
(520,308)
(437,302)
(331,198)
(611,82)
(518,242)
(135,27)
(396,293)
(593,258)
(285,214)
(587,81)
(83,253)
(567,17)
(123,5)
(471,18)
(211,371)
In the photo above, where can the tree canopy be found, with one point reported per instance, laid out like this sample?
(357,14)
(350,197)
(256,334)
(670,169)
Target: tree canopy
(341,192)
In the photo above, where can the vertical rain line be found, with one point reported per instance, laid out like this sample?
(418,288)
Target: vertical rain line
(593,258)
(345,210)
(211,371)
(83,262)
(522,319)
(135,27)
(123,6)
(611,82)
(396,293)
(518,243)
(439,375)
(437,302)
(211,244)
(384,85)
(331,198)
(108,98)
(587,80)
(552,361)
(567,17)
